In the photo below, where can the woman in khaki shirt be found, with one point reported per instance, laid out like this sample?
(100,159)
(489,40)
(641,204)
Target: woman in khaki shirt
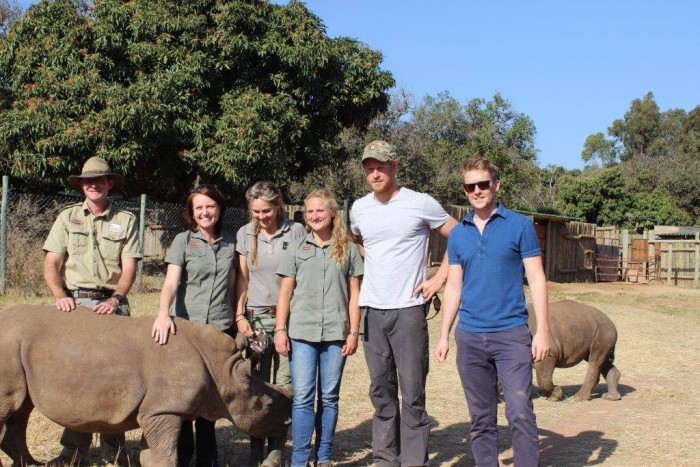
(200,279)
(261,245)
(318,321)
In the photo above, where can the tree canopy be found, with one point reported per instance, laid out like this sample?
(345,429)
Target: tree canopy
(224,90)
(657,158)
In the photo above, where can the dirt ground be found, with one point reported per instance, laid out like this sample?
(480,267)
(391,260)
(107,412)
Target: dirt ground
(657,422)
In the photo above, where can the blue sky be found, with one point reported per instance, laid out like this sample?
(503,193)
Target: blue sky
(571,66)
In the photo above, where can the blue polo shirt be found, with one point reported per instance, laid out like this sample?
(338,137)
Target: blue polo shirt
(492,264)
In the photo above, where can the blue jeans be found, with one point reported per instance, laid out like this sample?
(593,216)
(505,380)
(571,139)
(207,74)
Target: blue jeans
(310,362)
(481,357)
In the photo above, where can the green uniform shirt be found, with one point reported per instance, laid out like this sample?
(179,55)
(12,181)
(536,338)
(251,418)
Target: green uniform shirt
(319,308)
(203,293)
(93,246)
(264,283)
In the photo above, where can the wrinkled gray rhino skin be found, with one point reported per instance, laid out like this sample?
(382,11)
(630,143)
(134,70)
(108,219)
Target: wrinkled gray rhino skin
(105,374)
(578,332)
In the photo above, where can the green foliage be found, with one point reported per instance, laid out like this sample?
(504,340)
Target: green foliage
(596,147)
(597,195)
(168,92)
(659,158)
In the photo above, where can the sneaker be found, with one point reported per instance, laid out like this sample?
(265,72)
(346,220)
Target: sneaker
(274,459)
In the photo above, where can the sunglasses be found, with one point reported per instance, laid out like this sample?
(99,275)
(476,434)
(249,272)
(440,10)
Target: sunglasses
(205,186)
(483,185)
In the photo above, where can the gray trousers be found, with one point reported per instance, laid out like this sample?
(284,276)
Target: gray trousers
(396,351)
(77,444)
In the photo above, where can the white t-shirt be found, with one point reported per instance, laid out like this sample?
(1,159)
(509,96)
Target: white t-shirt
(395,236)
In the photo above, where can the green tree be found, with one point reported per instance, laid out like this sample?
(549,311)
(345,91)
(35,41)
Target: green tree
(492,129)
(597,195)
(597,148)
(639,131)
(227,91)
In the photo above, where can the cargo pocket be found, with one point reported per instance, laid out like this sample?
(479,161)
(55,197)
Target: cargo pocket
(77,240)
(111,245)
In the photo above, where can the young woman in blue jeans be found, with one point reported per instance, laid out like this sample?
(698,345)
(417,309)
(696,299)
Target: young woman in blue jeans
(318,318)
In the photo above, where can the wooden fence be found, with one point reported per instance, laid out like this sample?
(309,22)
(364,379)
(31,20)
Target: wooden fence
(632,257)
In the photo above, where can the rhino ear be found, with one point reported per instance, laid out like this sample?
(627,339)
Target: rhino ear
(243,370)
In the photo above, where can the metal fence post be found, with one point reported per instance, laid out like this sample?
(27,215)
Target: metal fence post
(142,229)
(3,233)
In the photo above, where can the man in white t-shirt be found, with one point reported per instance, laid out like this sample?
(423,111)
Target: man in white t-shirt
(392,225)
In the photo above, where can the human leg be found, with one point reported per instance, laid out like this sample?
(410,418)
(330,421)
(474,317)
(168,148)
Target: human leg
(76,446)
(330,372)
(263,322)
(185,444)
(383,388)
(513,357)
(478,375)
(409,342)
(205,443)
(303,363)
(113,447)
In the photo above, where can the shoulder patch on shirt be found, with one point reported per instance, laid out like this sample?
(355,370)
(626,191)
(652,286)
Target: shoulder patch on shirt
(285,245)
(115,228)
(195,244)
(76,221)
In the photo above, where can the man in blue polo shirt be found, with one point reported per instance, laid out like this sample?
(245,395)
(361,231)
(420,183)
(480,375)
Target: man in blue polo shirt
(487,252)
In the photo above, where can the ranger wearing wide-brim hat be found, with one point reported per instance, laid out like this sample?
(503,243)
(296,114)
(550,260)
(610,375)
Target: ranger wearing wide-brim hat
(96,167)
(91,255)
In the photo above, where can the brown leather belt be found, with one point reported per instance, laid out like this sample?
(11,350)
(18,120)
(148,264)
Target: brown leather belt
(93,294)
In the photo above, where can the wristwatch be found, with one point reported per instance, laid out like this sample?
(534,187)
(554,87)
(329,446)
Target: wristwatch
(118,296)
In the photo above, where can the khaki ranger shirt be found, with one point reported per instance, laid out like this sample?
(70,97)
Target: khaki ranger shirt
(93,246)
(264,283)
(319,308)
(203,292)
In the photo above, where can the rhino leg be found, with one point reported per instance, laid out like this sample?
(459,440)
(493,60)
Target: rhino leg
(545,372)
(612,378)
(14,441)
(592,378)
(160,433)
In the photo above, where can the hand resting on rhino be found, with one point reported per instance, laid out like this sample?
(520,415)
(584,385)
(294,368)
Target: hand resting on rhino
(104,374)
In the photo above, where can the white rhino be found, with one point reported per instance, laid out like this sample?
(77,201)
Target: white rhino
(105,374)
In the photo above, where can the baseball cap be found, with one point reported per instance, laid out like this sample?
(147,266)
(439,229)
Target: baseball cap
(379,150)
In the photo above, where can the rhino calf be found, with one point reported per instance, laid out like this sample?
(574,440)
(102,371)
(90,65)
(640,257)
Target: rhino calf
(105,374)
(578,332)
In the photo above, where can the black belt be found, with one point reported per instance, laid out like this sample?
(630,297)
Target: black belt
(94,294)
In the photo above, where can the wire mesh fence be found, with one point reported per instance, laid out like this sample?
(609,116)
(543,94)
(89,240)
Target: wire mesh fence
(30,217)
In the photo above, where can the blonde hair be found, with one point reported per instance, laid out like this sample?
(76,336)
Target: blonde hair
(482,164)
(340,249)
(269,192)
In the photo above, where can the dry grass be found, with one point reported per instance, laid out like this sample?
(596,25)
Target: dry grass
(656,423)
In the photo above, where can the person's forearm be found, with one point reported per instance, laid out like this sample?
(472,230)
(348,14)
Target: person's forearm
(53,281)
(450,307)
(127,278)
(441,273)
(354,304)
(283,302)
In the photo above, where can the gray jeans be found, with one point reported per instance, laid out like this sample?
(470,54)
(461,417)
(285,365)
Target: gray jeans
(123,309)
(396,350)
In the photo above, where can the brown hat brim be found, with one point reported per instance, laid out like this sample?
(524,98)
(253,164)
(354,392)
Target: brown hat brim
(74,181)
